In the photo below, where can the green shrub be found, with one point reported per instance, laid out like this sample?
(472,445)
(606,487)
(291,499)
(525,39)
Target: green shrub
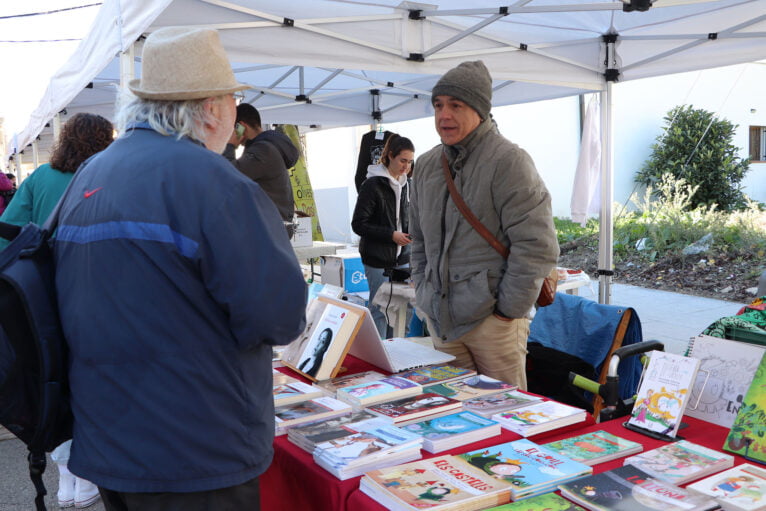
(697,147)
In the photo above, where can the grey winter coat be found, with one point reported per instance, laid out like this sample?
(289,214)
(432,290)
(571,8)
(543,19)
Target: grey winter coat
(459,278)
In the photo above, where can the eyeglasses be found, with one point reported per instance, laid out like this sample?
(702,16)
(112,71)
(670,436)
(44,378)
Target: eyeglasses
(239,97)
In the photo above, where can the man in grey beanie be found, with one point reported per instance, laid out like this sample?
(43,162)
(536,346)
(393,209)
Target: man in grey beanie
(477,301)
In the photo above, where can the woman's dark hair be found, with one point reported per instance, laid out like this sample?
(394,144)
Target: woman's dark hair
(81,137)
(395,145)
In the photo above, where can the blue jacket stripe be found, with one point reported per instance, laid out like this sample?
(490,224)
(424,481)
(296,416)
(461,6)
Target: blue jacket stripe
(127,230)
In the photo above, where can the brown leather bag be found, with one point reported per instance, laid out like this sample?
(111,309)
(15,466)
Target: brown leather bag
(548,289)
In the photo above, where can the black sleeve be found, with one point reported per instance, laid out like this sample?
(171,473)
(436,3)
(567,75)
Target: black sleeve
(364,160)
(366,220)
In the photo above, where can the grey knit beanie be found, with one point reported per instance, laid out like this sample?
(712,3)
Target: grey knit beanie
(469,82)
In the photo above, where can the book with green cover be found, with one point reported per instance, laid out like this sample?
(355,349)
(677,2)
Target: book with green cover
(430,375)
(595,447)
(544,502)
(471,387)
(747,435)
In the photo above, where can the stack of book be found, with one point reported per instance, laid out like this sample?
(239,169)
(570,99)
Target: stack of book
(680,462)
(471,387)
(289,390)
(376,444)
(529,468)
(378,391)
(628,488)
(444,482)
(431,375)
(415,408)
(487,406)
(544,502)
(742,488)
(309,435)
(332,385)
(539,417)
(594,448)
(453,430)
(314,410)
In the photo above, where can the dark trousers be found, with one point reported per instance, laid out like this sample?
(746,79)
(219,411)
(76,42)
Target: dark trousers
(244,497)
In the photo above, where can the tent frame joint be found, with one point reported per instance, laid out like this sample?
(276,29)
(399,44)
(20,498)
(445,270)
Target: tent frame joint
(416,57)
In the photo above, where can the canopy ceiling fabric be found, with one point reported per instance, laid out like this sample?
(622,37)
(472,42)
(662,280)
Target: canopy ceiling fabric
(315,62)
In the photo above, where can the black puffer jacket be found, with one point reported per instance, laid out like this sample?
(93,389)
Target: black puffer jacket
(375,222)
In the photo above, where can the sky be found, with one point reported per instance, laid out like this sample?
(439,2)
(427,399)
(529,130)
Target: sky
(34,46)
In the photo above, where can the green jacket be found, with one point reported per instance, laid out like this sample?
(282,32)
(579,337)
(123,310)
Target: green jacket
(459,278)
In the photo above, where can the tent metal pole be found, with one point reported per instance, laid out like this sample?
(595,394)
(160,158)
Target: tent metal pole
(35,154)
(56,127)
(127,66)
(605,245)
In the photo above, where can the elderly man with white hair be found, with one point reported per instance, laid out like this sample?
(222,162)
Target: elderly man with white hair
(175,277)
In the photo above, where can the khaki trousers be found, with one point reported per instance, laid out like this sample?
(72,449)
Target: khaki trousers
(496,348)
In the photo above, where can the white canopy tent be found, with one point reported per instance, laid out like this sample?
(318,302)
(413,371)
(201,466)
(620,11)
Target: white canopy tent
(349,62)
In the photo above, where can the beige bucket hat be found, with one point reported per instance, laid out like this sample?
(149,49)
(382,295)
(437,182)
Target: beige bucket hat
(181,63)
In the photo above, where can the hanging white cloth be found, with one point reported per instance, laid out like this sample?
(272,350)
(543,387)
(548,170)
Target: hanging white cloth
(586,192)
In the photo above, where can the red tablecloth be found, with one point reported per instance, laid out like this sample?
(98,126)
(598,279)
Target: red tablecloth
(295,482)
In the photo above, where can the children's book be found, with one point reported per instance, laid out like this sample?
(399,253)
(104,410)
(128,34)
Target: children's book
(339,382)
(414,408)
(441,373)
(314,410)
(531,469)
(680,462)
(539,417)
(663,393)
(307,436)
(595,447)
(544,502)
(628,488)
(453,430)
(331,326)
(471,387)
(487,406)
(378,391)
(443,482)
(747,436)
(742,488)
(726,370)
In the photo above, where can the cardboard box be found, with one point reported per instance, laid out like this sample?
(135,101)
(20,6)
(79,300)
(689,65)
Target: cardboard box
(344,270)
(302,237)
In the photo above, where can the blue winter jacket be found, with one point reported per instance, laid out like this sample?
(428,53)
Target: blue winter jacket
(175,277)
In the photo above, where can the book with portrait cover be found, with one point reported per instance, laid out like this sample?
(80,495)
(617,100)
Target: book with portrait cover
(443,482)
(747,436)
(414,408)
(531,469)
(453,430)
(628,488)
(331,326)
(544,502)
(680,462)
(487,406)
(441,373)
(663,392)
(314,410)
(595,447)
(539,417)
(741,488)
(471,387)
(307,436)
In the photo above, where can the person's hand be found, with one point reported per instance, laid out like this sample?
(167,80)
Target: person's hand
(235,139)
(401,238)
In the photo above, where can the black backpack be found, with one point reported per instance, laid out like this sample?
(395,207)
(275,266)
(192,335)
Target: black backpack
(34,393)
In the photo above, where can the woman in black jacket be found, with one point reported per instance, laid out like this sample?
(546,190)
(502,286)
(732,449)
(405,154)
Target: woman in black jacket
(381,221)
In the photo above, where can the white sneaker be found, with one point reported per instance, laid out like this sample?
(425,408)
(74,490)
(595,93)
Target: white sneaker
(65,494)
(85,493)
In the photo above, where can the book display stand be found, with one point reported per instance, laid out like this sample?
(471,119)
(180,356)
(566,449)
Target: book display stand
(654,434)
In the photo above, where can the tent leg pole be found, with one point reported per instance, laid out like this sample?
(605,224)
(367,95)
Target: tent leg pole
(605,248)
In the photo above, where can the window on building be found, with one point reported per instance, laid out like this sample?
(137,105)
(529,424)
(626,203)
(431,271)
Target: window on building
(757,143)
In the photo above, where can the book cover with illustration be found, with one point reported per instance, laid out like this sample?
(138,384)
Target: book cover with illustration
(414,407)
(544,502)
(307,436)
(295,392)
(378,390)
(435,374)
(595,447)
(471,387)
(308,411)
(539,417)
(747,436)
(663,392)
(680,462)
(487,406)
(726,370)
(455,429)
(435,483)
(531,469)
(742,488)
(629,488)
(340,382)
